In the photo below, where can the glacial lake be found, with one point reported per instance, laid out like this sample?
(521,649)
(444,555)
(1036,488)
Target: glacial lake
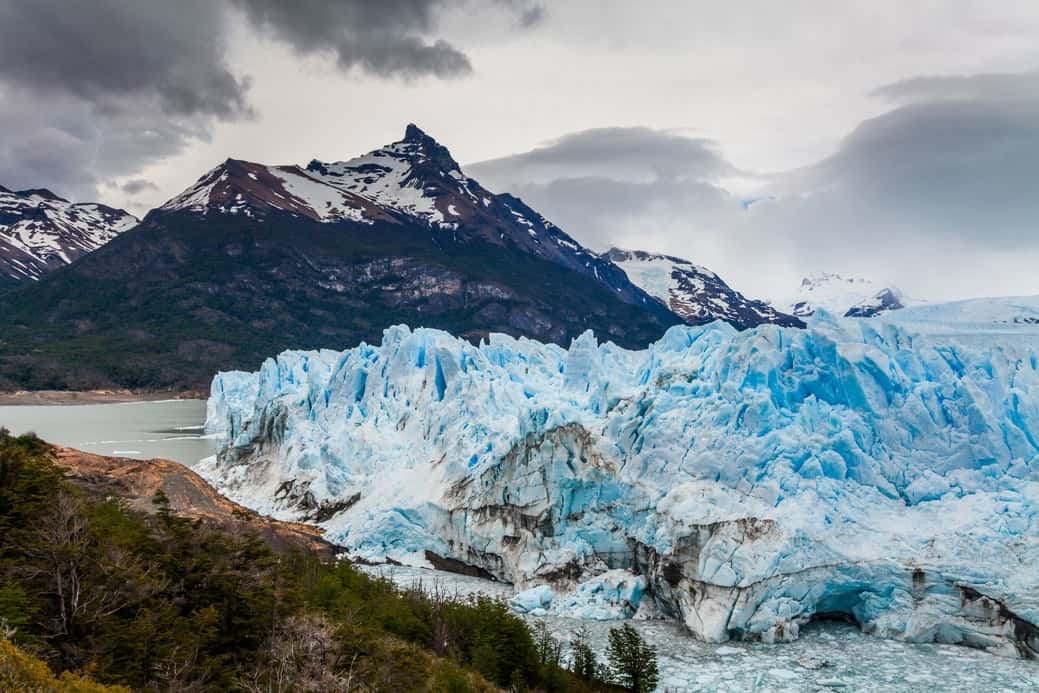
(171,429)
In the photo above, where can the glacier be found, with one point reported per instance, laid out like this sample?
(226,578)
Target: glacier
(881,471)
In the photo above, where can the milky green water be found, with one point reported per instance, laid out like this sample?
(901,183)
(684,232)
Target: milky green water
(170,429)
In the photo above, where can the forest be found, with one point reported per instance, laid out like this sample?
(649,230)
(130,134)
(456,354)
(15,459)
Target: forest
(95,596)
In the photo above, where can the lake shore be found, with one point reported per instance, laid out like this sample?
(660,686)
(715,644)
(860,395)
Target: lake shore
(66,397)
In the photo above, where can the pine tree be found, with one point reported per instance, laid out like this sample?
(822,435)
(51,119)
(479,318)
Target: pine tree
(633,662)
(582,657)
(548,649)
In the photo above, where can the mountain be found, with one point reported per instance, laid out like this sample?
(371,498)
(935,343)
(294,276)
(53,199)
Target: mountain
(876,471)
(694,293)
(252,259)
(40,231)
(844,296)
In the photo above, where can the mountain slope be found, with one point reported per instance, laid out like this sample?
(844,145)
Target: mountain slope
(40,231)
(851,297)
(694,293)
(253,259)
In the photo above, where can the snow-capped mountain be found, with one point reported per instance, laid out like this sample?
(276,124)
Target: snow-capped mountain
(414,180)
(40,231)
(253,259)
(880,471)
(844,296)
(694,293)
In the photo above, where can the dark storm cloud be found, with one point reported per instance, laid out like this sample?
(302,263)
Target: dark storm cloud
(385,38)
(94,90)
(108,49)
(91,91)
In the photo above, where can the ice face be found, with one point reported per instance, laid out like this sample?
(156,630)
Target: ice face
(754,480)
(827,656)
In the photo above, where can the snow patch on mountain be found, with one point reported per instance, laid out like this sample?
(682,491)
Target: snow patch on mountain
(393,178)
(845,296)
(412,182)
(694,293)
(40,231)
(880,471)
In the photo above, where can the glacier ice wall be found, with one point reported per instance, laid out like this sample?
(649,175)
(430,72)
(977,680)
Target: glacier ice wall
(757,479)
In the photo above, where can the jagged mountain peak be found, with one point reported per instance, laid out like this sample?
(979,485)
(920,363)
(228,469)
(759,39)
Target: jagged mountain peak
(694,293)
(413,133)
(413,182)
(40,231)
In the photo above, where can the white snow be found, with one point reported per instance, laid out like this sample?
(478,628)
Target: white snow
(56,229)
(329,203)
(385,176)
(835,294)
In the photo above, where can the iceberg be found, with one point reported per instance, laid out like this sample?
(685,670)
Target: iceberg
(874,471)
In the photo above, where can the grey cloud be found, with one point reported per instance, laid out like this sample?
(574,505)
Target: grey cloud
(528,12)
(384,38)
(959,162)
(92,91)
(98,90)
(115,48)
(64,142)
(1002,86)
(637,154)
(940,194)
(604,212)
(137,185)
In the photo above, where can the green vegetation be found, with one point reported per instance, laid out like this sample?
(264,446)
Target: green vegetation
(23,672)
(633,663)
(159,602)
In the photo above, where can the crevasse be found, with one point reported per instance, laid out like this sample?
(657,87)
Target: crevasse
(862,470)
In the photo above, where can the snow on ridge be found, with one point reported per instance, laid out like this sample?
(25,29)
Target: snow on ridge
(754,478)
(39,231)
(694,293)
(388,178)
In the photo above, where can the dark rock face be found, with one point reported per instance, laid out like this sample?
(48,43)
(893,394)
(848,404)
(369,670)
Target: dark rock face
(182,296)
(255,259)
(884,301)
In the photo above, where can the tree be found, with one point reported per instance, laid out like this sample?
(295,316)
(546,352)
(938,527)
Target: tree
(549,650)
(633,662)
(582,657)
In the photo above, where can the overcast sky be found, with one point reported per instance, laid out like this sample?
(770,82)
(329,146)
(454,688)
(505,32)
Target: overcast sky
(893,139)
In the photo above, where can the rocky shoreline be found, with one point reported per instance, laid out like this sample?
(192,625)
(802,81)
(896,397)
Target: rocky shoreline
(66,397)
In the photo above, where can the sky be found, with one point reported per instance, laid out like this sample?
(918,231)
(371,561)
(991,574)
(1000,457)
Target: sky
(896,140)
